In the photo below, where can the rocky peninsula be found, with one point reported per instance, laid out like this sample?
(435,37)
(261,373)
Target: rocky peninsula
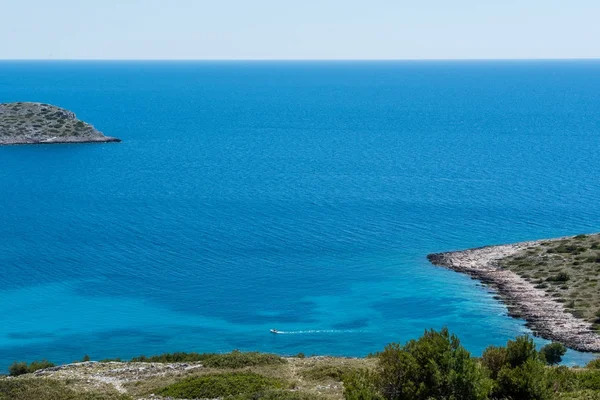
(39,123)
(552,284)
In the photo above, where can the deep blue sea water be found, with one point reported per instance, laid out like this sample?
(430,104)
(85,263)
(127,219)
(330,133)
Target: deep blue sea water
(302,196)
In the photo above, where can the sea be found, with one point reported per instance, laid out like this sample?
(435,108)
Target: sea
(302,196)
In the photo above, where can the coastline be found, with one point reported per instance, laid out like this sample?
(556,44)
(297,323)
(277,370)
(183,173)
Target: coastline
(545,316)
(41,123)
(104,139)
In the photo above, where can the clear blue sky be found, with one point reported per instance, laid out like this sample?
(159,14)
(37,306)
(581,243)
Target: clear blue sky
(299,29)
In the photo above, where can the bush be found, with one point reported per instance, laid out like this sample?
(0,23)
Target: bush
(594,364)
(172,358)
(562,379)
(362,385)
(520,350)
(235,359)
(589,379)
(324,372)
(567,248)
(18,368)
(494,358)
(517,369)
(221,385)
(526,381)
(21,368)
(435,366)
(552,353)
(560,277)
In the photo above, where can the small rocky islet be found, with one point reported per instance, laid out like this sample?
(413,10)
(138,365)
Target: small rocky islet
(40,123)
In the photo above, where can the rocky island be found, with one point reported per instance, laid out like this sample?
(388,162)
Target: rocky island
(39,123)
(552,284)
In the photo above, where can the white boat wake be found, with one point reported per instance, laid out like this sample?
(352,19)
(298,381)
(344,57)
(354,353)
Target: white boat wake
(315,331)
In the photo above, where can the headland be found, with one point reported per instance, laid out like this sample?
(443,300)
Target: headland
(552,284)
(39,123)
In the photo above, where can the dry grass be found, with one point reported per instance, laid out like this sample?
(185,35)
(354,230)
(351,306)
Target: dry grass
(303,378)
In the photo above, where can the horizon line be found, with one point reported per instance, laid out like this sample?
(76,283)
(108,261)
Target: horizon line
(301,59)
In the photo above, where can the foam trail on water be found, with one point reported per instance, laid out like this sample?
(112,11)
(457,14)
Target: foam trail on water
(316,331)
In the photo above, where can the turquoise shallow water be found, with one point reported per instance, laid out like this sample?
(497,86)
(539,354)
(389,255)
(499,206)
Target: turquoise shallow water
(299,196)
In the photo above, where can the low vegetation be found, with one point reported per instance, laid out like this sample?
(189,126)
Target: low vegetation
(21,368)
(567,269)
(53,389)
(434,366)
(246,384)
(20,118)
(235,359)
(552,353)
(327,372)
(24,122)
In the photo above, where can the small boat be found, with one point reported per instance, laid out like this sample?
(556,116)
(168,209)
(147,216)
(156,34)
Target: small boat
(274,331)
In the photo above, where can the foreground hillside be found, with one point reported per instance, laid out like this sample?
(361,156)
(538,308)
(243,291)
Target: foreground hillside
(242,374)
(37,123)
(434,366)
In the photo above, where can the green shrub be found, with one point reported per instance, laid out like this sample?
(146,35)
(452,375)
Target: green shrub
(18,368)
(520,350)
(362,385)
(517,370)
(562,379)
(221,385)
(324,372)
(560,277)
(494,358)
(21,368)
(435,366)
(525,381)
(235,359)
(589,379)
(569,248)
(171,358)
(552,353)
(594,364)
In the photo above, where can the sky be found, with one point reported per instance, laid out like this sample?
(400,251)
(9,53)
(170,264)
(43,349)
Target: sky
(299,29)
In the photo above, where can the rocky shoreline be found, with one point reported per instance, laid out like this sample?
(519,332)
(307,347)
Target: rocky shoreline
(55,140)
(545,316)
(39,123)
